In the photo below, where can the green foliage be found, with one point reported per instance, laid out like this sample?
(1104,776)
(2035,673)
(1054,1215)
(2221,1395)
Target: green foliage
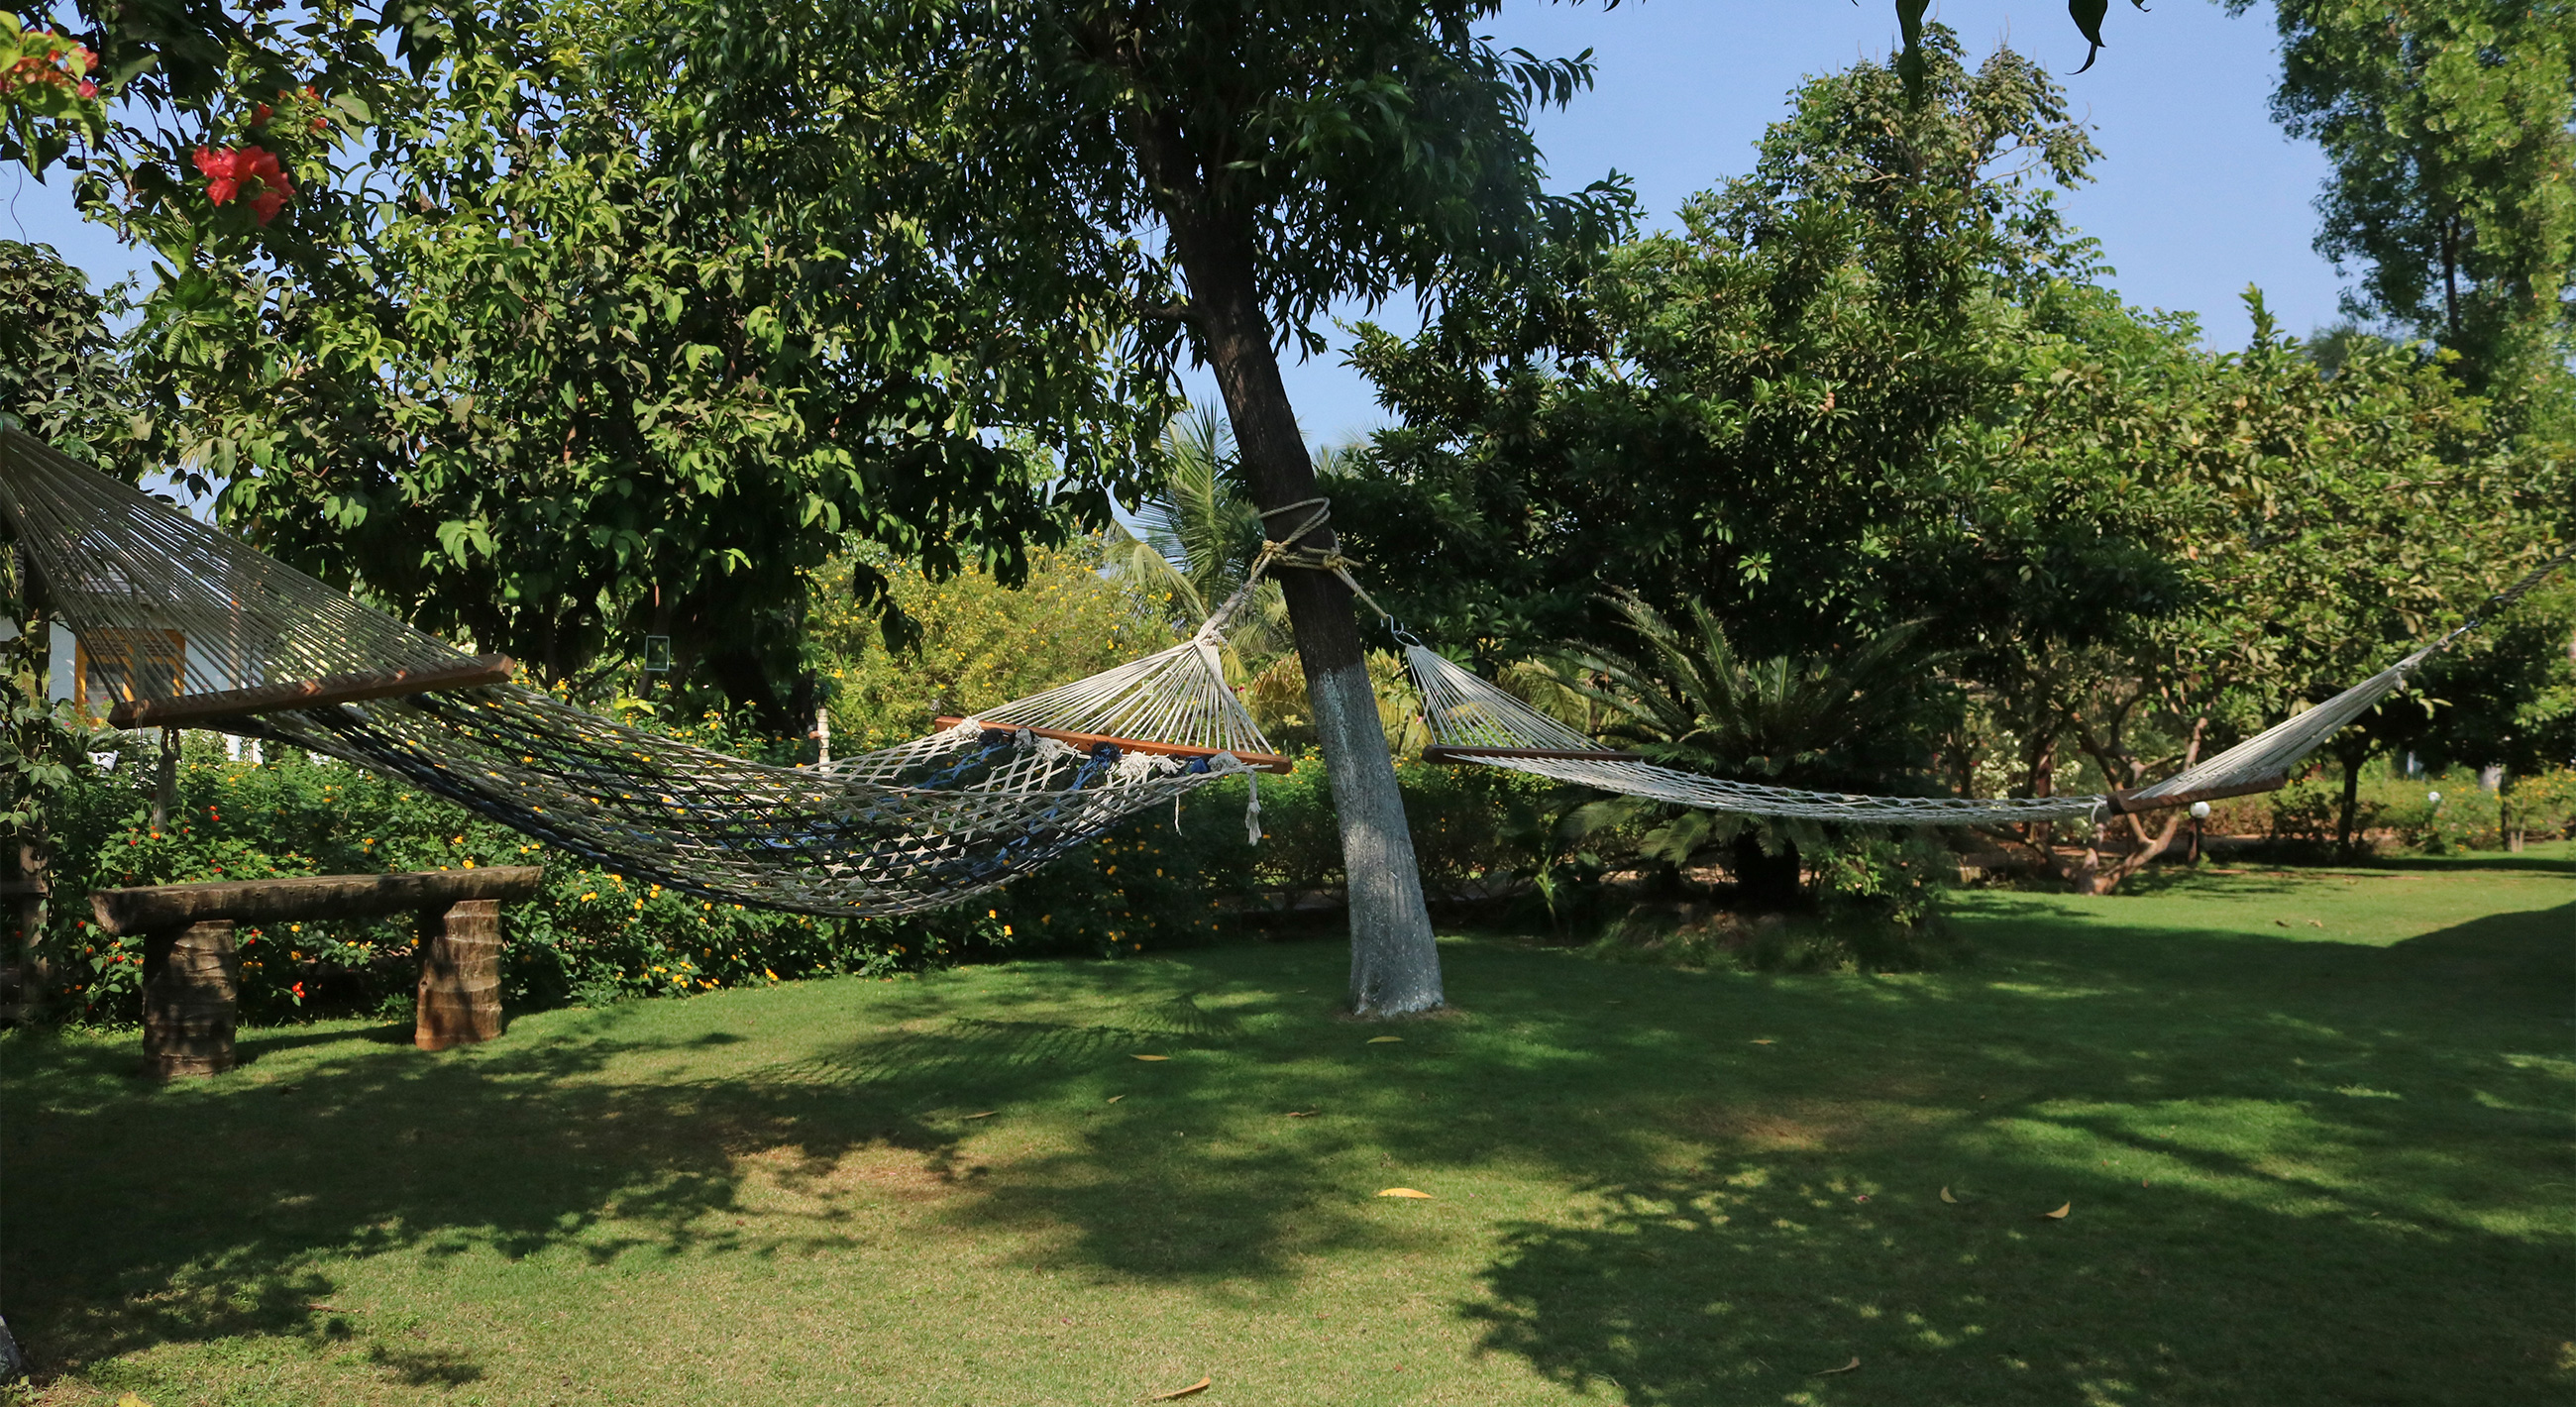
(975,640)
(1826,721)
(61,378)
(1753,411)
(50,95)
(536,362)
(2454,183)
(1875,387)
(1469,829)
(2401,809)
(2508,700)
(2542,804)
(1895,880)
(1201,536)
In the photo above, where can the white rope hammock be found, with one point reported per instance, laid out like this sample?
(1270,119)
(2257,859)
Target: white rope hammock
(1475,721)
(177,622)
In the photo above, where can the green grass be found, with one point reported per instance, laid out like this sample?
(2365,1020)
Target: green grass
(2321,1163)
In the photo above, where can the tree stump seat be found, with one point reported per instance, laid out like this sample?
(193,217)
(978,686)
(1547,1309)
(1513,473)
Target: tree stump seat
(192,975)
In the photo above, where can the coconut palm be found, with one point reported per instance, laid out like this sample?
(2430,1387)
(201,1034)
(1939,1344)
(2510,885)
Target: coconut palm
(1197,536)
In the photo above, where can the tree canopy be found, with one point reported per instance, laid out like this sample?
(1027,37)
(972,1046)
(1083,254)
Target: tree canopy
(2451,126)
(1875,391)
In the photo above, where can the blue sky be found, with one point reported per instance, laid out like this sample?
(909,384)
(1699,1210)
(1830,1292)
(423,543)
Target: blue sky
(2197,194)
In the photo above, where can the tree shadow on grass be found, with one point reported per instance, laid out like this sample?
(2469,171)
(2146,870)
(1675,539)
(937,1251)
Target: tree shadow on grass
(143,1214)
(2270,1093)
(2298,1173)
(2481,860)
(1748,1282)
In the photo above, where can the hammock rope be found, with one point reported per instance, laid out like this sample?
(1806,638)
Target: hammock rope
(166,608)
(1474,720)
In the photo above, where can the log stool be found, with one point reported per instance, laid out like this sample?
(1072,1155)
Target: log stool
(192,977)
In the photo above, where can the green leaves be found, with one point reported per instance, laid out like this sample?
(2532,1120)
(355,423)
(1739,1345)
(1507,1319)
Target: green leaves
(2454,183)
(598,354)
(1909,61)
(1754,412)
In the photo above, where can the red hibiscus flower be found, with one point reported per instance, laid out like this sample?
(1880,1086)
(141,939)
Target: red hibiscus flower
(222,172)
(250,173)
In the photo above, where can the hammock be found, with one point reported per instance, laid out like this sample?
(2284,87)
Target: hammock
(180,624)
(1474,721)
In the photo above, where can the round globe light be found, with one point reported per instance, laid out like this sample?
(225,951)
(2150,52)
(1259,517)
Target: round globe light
(2200,810)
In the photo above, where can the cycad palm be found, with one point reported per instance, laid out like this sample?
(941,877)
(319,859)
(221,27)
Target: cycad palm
(1688,699)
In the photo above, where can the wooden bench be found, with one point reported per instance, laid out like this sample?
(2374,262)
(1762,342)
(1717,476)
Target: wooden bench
(192,976)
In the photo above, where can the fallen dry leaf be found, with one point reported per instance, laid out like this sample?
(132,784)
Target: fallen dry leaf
(1766,1040)
(985,1115)
(2060,1213)
(1946,1197)
(1829,1372)
(1385,1040)
(1153,1057)
(2280,923)
(130,1400)
(1200,1386)
(1303,1113)
(1405,1192)
(1116,1097)
(2316,923)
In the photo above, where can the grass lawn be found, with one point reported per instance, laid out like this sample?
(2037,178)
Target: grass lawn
(2314,1128)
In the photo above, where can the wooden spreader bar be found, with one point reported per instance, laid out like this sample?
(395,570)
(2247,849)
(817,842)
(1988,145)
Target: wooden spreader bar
(192,973)
(2126,803)
(1441,752)
(188,710)
(1257,761)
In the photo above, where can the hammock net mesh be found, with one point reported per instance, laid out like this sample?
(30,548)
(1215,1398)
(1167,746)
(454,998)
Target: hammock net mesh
(1465,711)
(164,606)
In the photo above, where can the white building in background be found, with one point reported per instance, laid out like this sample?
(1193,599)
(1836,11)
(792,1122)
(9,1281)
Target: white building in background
(63,649)
(99,678)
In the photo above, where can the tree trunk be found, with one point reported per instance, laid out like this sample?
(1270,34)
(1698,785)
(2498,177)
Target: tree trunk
(34,885)
(2106,878)
(165,780)
(460,975)
(35,850)
(2352,759)
(2115,762)
(1764,881)
(1395,965)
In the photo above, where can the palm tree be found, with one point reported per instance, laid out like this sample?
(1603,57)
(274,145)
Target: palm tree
(1836,722)
(1199,536)
(1195,540)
